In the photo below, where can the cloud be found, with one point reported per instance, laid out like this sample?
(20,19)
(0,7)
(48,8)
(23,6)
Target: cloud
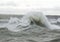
(8,4)
(15,6)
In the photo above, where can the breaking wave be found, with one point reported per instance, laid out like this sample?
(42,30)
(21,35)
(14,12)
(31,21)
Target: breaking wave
(32,18)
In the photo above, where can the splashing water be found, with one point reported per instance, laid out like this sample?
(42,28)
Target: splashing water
(15,24)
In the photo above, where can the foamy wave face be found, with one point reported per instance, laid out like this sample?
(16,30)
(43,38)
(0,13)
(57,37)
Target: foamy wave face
(24,23)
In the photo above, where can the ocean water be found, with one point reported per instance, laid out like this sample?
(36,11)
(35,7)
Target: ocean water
(34,33)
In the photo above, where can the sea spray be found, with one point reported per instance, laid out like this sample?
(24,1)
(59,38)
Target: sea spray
(32,18)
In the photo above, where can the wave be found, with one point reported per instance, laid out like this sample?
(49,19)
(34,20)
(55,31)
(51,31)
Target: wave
(32,18)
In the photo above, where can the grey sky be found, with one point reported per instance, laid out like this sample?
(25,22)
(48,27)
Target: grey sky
(21,6)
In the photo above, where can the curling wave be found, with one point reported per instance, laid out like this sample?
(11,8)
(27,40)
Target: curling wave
(32,18)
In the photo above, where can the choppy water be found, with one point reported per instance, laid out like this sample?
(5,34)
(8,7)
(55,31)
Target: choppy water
(34,33)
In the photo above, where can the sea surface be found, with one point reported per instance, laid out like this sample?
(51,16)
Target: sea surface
(33,34)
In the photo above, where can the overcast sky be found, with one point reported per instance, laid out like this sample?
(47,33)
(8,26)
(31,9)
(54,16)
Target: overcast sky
(21,6)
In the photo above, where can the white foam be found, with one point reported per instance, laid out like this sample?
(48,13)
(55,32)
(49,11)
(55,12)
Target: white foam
(15,24)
